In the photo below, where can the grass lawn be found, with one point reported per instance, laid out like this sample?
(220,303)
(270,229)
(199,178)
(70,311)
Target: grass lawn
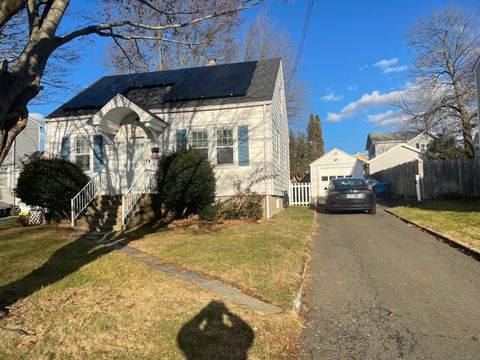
(76,299)
(263,259)
(458,220)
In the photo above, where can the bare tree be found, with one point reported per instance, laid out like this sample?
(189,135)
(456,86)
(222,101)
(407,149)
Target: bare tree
(196,43)
(21,77)
(442,92)
(264,40)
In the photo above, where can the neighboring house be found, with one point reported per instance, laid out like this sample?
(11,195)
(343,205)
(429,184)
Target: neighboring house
(233,113)
(362,157)
(400,154)
(379,143)
(334,164)
(24,145)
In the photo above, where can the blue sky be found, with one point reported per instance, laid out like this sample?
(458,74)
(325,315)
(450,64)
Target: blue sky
(354,54)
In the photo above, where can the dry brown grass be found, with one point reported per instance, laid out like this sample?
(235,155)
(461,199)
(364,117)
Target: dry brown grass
(458,220)
(264,259)
(107,304)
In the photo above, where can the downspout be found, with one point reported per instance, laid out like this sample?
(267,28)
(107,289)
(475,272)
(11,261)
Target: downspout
(267,205)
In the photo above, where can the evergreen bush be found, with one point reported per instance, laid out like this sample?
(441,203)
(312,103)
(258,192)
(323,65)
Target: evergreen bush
(185,183)
(50,184)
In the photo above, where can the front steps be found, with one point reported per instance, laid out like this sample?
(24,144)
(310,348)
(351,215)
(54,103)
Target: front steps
(104,214)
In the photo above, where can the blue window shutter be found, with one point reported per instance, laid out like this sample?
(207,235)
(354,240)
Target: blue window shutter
(243,149)
(181,139)
(65,150)
(97,153)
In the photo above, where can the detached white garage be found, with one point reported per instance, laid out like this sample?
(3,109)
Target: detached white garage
(334,164)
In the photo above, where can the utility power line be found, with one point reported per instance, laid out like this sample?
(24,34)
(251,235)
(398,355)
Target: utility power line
(302,39)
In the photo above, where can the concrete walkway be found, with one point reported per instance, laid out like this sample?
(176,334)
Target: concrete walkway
(220,288)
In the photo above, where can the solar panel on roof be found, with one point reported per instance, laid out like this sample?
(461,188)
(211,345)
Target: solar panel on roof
(189,84)
(214,82)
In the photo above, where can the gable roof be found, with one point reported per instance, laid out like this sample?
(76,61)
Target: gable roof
(333,151)
(406,146)
(394,136)
(362,157)
(207,85)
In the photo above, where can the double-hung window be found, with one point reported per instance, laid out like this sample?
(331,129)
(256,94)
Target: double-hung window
(82,153)
(199,141)
(224,146)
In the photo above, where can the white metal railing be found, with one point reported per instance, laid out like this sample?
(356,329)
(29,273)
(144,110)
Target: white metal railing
(85,197)
(144,184)
(299,193)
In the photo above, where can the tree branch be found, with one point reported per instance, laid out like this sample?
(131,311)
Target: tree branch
(8,9)
(97,29)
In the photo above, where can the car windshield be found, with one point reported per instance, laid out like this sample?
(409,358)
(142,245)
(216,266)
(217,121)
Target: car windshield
(348,183)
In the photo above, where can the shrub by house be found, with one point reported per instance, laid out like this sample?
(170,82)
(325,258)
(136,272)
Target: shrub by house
(50,184)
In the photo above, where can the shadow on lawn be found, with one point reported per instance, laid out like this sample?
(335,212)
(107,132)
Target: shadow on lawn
(64,262)
(69,258)
(215,333)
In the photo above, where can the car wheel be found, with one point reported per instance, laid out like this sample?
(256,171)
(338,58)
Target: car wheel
(373,211)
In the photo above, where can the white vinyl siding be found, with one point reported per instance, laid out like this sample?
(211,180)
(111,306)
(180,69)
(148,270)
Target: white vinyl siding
(280,160)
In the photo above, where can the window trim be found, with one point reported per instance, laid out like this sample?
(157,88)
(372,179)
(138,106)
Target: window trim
(89,145)
(221,128)
(207,144)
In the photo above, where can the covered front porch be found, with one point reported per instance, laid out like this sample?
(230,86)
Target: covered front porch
(126,150)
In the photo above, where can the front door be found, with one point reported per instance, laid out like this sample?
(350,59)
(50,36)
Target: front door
(127,158)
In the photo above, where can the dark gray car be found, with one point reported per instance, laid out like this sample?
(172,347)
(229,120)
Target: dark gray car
(347,194)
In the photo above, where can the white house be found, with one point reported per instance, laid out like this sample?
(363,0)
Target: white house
(24,145)
(234,113)
(400,154)
(378,143)
(334,164)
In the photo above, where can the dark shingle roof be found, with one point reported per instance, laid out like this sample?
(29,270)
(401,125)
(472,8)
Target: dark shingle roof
(222,84)
(392,136)
(397,136)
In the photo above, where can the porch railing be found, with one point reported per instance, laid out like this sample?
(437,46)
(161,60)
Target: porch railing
(144,184)
(85,197)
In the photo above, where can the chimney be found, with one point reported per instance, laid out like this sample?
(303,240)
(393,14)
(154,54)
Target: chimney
(212,62)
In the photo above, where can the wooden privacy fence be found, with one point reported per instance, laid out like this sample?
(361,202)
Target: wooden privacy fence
(401,179)
(444,178)
(438,178)
(299,193)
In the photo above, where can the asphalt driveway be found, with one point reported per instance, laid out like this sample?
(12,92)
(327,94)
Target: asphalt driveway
(382,289)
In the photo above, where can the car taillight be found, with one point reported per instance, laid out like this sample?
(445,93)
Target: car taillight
(369,192)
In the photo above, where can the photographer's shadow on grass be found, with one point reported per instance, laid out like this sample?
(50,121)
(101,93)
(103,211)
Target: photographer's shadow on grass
(215,333)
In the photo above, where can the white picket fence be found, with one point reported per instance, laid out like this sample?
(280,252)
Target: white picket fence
(299,193)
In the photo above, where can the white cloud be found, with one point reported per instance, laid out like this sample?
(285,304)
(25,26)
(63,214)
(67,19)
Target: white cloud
(363,67)
(331,97)
(366,101)
(388,65)
(352,87)
(401,68)
(385,63)
(388,118)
